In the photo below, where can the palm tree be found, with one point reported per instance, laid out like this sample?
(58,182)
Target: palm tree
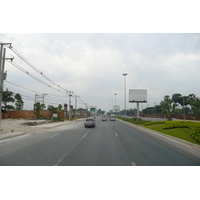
(168,106)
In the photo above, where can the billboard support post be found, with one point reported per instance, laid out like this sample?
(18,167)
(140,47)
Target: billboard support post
(137,96)
(137,110)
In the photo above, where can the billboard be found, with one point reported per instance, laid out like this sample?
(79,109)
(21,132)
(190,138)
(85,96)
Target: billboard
(137,95)
(116,108)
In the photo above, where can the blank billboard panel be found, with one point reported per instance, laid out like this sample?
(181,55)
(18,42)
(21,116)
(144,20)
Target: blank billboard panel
(116,108)
(138,95)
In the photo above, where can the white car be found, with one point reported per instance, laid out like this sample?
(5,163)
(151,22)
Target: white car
(104,118)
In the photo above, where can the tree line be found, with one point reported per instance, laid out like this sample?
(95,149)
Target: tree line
(190,105)
(10,97)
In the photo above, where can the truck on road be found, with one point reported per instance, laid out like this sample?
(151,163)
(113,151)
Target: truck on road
(112,118)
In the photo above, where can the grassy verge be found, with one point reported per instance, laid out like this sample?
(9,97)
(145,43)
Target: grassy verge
(183,133)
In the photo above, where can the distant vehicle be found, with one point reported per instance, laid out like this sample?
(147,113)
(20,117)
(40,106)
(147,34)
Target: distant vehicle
(104,118)
(173,119)
(112,118)
(90,122)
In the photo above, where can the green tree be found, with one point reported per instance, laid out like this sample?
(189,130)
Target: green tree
(177,98)
(102,112)
(168,106)
(59,107)
(52,108)
(7,97)
(19,104)
(182,100)
(195,103)
(43,106)
(37,109)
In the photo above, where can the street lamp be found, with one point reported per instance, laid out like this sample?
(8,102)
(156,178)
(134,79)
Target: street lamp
(115,98)
(115,104)
(125,74)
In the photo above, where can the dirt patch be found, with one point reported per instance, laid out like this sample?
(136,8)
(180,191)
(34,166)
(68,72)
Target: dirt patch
(21,125)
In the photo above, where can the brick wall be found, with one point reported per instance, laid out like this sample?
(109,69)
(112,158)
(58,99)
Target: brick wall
(28,114)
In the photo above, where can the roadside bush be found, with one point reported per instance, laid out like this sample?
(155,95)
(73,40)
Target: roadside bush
(177,124)
(195,132)
(193,126)
(157,122)
(133,120)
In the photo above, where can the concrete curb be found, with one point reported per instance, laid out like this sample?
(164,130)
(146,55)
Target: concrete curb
(11,135)
(56,124)
(177,140)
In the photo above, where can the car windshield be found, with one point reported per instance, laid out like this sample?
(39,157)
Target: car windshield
(89,119)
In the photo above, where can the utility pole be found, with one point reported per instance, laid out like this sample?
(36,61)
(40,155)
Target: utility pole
(69,103)
(2,77)
(76,104)
(86,107)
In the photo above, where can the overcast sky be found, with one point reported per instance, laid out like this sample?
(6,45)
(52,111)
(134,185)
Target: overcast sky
(91,65)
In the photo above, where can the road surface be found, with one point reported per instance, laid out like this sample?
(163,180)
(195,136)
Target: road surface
(110,143)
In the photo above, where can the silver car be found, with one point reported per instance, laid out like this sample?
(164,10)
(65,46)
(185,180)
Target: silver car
(104,118)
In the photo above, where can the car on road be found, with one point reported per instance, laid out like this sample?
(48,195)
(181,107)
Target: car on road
(173,119)
(104,118)
(89,122)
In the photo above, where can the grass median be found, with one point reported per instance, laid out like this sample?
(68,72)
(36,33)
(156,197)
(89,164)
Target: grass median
(183,133)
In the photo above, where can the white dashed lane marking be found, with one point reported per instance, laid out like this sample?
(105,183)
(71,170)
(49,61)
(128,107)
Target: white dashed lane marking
(133,164)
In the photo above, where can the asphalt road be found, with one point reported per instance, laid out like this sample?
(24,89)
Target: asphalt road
(110,143)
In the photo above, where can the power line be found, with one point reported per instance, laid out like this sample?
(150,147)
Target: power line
(34,77)
(54,99)
(37,70)
(22,87)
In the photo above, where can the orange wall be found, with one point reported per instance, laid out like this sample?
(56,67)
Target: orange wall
(28,114)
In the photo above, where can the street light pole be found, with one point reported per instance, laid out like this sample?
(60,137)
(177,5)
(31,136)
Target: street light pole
(125,74)
(115,104)
(115,98)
